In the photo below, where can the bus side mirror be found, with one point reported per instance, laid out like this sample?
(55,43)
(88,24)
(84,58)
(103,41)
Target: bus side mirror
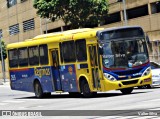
(100,49)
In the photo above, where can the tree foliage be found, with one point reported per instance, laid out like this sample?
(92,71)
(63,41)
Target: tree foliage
(77,13)
(3,50)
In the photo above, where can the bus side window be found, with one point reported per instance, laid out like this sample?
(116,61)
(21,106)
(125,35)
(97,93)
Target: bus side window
(69,51)
(13,58)
(23,56)
(43,51)
(81,50)
(33,55)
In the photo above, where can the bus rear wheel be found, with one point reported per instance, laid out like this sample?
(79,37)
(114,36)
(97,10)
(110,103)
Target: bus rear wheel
(38,90)
(47,95)
(127,90)
(85,89)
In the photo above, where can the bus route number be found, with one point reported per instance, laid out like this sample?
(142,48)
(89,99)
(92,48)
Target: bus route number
(13,77)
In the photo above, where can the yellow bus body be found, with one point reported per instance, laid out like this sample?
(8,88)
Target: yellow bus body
(53,41)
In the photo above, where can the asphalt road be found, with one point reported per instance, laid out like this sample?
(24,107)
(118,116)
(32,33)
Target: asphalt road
(140,99)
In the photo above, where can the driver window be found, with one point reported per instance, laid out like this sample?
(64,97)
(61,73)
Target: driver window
(140,46)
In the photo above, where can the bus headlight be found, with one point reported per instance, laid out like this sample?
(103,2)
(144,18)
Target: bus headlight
(146,72)
(110,77)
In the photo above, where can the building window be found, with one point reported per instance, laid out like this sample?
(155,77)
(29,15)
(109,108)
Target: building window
(52,30)
(112,18)
(14,29)
(155,7)
(11,3)
(1,35)
(28,25)
(137,12)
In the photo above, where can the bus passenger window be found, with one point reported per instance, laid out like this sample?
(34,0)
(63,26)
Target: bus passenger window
(33,55)
(81,50)
(43,49)
(13,58)
(23,57)
(69,51)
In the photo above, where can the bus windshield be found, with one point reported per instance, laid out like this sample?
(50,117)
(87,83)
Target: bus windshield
(126,53)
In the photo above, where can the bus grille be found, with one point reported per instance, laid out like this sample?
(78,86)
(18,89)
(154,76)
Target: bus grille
(130,82)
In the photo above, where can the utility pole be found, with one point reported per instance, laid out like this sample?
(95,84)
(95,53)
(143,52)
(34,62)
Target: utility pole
(2,60)
(46,25)
(125,13)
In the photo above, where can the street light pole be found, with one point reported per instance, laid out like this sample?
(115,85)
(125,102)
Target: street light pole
(40,25)
(46,24)
(2,61)
(125,14)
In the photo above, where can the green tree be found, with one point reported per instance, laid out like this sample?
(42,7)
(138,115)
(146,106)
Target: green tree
(77,13)
(3,50)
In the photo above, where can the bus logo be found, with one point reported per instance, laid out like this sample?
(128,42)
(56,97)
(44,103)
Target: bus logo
(42,72)
(129,77)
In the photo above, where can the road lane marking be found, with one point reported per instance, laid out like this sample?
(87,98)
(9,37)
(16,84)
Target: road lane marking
(13,101)
(3,104)
(151,100)
(22,107)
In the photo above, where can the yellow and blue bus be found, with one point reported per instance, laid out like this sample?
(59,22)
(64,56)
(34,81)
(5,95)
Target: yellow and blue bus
(80,61)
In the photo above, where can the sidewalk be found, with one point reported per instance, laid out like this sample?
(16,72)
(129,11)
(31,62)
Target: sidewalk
(4,83)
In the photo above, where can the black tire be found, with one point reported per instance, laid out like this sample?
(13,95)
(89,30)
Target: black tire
(148,86)
(126,90)
(86,92)
(47,95)
(38,90)
(140,87)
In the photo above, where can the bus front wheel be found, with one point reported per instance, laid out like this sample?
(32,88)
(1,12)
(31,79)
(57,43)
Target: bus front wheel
(127,90)
(85,89)
(38,90)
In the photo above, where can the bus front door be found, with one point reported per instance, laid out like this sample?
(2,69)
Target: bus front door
(56,72)
(95,65)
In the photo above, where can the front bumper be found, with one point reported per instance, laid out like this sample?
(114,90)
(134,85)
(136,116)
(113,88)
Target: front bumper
(114,85)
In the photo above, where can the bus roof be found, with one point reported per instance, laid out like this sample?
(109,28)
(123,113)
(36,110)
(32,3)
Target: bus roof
(58,36)
(120,32)
(61,33)
(116,28)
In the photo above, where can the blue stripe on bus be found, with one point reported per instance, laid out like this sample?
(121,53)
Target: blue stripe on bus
(137,72)
(22,79)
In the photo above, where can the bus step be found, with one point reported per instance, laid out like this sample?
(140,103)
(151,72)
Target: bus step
(59,91)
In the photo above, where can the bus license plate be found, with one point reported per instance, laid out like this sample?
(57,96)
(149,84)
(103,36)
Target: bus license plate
(147,80)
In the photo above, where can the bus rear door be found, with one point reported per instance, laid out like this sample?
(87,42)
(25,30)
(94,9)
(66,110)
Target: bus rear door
(56,72)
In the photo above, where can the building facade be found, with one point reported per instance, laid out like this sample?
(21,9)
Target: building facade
(19,21)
